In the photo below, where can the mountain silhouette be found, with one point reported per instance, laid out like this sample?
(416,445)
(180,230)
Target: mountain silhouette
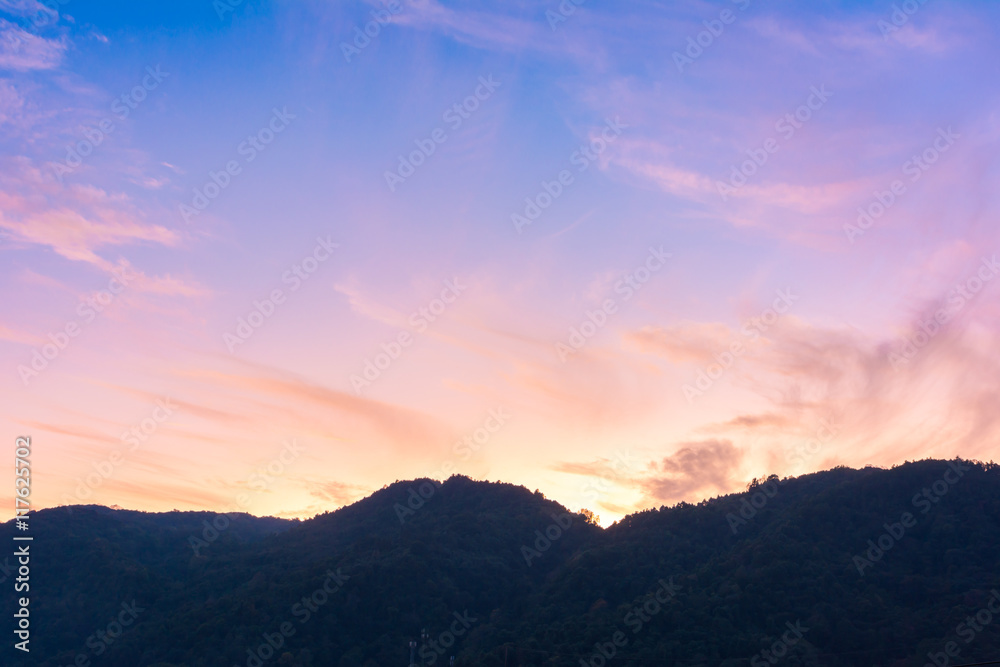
(843,567)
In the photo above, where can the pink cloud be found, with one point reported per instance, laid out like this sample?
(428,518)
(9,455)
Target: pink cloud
(73,221)
(22,51)
(694,471)
(11,102)
(15,336)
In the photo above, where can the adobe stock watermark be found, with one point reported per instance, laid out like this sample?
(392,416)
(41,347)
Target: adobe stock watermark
(914,168)
(786,126)
(958,298)
(455,115)
(544,541)
(899,17)
(249,148)
(714,28)
(393,350)
(303,611)
(565,9)
(759,493)
(434,649)
(362,38)
(725,360)
(828,430)
(779,649)
(93,137)
(464,448)
(264,309)
(88,309)
(967,631)
(101,640)
(924,500)
(621,465)
(223,7)
(595,320)
(137,435)
(581,158)
(259,481)
(636,619)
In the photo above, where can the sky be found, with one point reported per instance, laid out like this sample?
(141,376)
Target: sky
(272,256)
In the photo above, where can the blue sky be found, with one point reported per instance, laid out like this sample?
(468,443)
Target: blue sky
(862,295)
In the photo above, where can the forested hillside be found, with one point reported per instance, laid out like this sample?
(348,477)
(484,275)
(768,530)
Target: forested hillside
(844,567)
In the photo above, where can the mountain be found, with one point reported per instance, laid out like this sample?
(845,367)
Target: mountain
(893,567)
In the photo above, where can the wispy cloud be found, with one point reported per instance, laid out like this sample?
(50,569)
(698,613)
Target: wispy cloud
(75,221)
(11,102)
(336,493)
(696,342)
(396,427)
(22,51)
(501,31)
(15,336)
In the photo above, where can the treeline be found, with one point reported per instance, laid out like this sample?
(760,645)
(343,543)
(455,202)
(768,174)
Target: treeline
(823,569)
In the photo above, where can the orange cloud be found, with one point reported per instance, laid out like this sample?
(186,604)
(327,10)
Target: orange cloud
(695,342)
(399,427)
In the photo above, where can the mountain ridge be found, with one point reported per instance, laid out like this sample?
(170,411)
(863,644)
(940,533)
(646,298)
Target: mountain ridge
(543,584)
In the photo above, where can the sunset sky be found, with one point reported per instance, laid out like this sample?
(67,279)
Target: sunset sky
(611,251)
